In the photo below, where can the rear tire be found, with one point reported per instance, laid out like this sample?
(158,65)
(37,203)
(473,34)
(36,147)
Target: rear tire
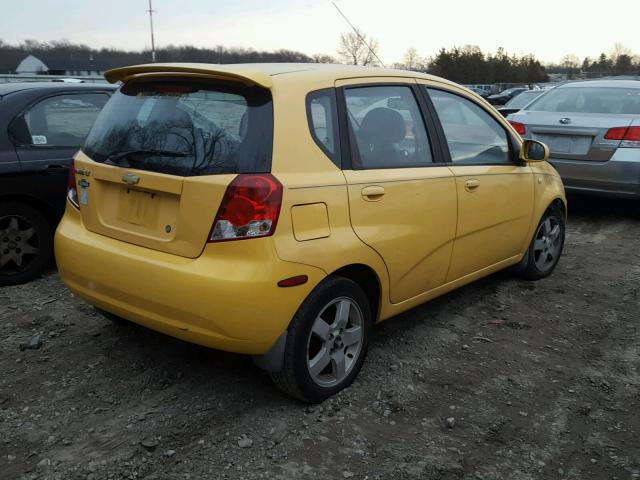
(326,342)
(26,243)
(546,247)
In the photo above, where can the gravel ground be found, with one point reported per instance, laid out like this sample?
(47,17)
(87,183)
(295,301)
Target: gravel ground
(503,379)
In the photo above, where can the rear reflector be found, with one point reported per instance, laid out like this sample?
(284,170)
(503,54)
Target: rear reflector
(630,136)
(72,188)
(250,208)
(293,281)
(519,127)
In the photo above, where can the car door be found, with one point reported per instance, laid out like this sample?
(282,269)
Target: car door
(402,197)
(49,132)
(495,190)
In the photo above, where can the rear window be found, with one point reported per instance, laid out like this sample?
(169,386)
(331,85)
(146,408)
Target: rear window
(589,100)
(522,99)
(185,129)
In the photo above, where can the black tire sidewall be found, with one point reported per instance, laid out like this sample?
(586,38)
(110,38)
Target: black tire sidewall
(45,240)
(532,269)
(298,334)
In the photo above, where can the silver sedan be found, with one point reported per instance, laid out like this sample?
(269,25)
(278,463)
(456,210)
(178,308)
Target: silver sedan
(592,129)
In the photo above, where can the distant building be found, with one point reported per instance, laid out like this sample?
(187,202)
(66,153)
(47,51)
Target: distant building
(60,64)
(31,65)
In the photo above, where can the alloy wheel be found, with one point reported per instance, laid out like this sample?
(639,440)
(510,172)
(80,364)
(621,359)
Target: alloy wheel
(19,244)
(335,342)
(547,244)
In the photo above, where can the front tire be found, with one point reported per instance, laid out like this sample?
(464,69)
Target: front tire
(546,247)
(326,342)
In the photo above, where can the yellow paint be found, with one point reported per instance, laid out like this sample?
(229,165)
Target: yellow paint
(422,231)
(310,222)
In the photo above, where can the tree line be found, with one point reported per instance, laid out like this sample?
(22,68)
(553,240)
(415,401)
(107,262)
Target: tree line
(64,52)
(467,64)
(619,61)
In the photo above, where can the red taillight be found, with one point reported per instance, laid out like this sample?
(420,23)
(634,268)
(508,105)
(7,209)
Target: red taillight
(630,136)
(250,208)
(616,133)
(519,127)
(72,188)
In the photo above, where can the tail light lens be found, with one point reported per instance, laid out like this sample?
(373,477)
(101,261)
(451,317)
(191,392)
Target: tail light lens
(250,208)
(630,136)
(72,188)
(519,127)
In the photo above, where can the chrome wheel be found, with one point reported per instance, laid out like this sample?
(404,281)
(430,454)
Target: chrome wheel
(19,244)
(547,243)
(335,342)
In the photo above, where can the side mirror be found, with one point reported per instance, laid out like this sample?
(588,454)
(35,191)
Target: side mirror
(534,151)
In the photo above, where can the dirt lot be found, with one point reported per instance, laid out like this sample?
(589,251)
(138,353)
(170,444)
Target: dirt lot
(503,379)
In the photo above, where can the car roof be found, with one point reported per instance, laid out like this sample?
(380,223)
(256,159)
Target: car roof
(13,87)
(264,74)
(603,83)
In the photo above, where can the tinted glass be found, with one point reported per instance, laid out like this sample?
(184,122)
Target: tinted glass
(185,129)
(387,127)
(523,98)
(473,136)
(321,111)
(589,100)
(63,120)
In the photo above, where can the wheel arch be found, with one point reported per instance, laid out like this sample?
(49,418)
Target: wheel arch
(368,280)
(49,213)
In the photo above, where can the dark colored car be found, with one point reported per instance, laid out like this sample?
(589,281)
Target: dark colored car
(504,96)
(42,125)
(520,101)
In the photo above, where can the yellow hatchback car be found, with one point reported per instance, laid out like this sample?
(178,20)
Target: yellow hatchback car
(281,210)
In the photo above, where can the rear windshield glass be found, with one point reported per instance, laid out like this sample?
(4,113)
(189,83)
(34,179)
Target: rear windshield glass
(522,99)
(185,129)
(589,100)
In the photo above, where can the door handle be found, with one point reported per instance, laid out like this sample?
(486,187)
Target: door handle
(471,185)
(55,169)
(372,193)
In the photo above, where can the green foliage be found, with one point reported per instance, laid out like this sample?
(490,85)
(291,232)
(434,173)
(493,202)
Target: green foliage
(469,64)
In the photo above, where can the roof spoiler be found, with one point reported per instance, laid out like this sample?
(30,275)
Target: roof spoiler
(239,73)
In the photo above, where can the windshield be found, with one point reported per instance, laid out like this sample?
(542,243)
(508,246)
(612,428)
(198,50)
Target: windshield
(185,128)
(522,99)
(589,100)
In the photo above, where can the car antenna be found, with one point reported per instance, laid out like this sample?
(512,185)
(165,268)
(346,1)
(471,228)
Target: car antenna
(358,34)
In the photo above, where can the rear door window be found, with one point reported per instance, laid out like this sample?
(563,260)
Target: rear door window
(387,128)
(185,128)
(62,120)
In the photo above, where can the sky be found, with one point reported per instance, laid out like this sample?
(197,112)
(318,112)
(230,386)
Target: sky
(549,29)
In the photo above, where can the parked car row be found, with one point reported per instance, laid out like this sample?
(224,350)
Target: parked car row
(282,211)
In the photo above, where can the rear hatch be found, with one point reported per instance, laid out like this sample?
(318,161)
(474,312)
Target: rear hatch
(574,121)
(156,165)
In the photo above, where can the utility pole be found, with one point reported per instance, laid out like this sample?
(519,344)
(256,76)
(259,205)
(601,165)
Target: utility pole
(153,45)
(357,32)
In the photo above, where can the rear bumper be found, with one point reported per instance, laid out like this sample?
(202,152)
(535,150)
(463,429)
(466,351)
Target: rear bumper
(620,176)
(226,299)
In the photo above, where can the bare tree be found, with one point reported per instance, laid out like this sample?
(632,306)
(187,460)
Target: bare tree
(357,49)
(619,50)
(323,58)
(413,61)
